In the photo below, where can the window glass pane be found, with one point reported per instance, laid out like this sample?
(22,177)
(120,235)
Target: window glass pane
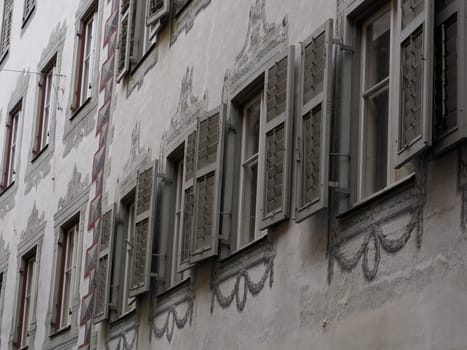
(378,49)
(375,151)
(252,129)
(249,203)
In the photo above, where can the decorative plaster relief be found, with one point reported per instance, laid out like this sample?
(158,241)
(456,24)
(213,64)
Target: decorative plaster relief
(239,269)
(138,158)
(35,224)
(262,41)
(123,336)
(185,20)
(75,189)
(39,168)
(386,225)
(189,109)
(173,309)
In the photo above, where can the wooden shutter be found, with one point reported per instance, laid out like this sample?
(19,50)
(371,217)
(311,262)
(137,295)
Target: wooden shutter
(104,266)
(156,10)
(144,228)
(6,28)
(187,220)
(450,75)
(313,123)
(414,125)
(209,152)
(124,38)
(275,141)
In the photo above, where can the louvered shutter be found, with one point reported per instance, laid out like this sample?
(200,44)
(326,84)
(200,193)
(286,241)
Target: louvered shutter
(449,74)
(156,10)
(209,152)
(313,123)
(144,230)
(187,221)
(104,266)
(275,141)
(124,37)
(6,28)
(416,25)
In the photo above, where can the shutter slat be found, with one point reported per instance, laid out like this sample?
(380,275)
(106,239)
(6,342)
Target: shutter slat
(146,185)
(313,123)
(275,143)
(125,42)
(104,266)
(209,157)
(416,26)
(6,28)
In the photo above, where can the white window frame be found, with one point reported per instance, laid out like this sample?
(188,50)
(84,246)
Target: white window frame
(393,175)
(257,159)
(27,298)
(87,57)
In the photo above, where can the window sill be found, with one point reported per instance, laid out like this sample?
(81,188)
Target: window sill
(142,59)
(242,250)
(178,285)
(60,331)
(395,187)
(76,111)
(27,17)
(7,188)
(38,154)
(122,317)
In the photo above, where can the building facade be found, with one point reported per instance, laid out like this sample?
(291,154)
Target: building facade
(250,174)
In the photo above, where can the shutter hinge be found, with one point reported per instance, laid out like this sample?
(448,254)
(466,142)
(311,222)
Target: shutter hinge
(342,46)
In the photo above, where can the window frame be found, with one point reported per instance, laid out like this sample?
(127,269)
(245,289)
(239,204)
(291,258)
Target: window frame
(28,9)
(11,147)
(62,255)
(81,95)
(27,280)
(47,99)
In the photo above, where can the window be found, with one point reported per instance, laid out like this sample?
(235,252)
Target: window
(10,155)
(257,170)
(86,57)
(139,23)
(46,100)
(6,28)
(248,203)
(66,270)
(29,6)
(376,57)
(27,297)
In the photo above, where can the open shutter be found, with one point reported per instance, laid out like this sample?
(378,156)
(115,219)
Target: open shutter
(104,265)
(187,221)
(414,125)
(209,152)
(156,10)
(313,123)
(124,37)
(144,229)
(6,28)
(450,75)
(276,136)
